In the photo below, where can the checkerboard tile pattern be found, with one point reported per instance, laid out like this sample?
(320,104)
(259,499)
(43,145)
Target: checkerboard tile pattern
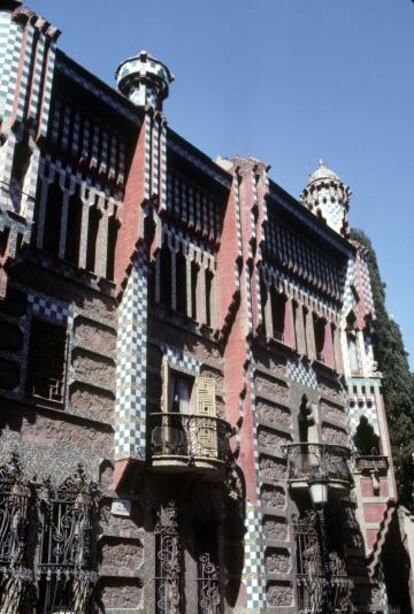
(253,572)
(349,300)
(334,213)
(365,283)
(10,66)
(130,405)
(180,361)
(49,308)
(255,581)
(302,374)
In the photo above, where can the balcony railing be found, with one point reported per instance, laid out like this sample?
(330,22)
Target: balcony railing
(189,439)
(372,463)
(307,459)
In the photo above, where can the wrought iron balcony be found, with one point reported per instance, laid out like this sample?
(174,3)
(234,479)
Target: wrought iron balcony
(372,463)
(189,441)
(307,459)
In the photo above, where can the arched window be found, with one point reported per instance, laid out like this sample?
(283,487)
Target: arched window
(303,420)
(366,441)
(53,217)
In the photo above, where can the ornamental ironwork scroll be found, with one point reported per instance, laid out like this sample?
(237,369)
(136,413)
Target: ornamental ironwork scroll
(66,573)
(15,493)
(208,585)
(310,580)
(169,562)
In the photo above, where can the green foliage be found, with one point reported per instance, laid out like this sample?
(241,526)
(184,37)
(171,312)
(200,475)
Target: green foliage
(398,382)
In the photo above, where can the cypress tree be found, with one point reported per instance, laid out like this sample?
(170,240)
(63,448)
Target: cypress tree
(398,381)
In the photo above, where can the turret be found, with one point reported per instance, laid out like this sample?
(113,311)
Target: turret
(144,80)
(328,198)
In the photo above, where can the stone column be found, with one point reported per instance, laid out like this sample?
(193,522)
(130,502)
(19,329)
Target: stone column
(300,331)
(289,332)
(328,350)
(201,293)
(102,244)
(339,365)
(67,193)
(83,244)
(188,260)
(268,313)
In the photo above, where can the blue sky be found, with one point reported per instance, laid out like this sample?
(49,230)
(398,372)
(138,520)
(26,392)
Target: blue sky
(288,81)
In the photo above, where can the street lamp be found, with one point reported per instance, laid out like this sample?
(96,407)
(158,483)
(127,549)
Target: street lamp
(318,489)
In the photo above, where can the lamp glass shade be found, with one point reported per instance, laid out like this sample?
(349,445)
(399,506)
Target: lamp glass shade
(319,492)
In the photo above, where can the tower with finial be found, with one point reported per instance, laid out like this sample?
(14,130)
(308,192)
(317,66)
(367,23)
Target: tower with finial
(328,198)
(144,80)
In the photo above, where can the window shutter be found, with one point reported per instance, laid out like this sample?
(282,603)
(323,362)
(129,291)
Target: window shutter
(206,396)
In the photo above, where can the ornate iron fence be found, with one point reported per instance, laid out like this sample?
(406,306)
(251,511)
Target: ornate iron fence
(306,459)
(191,436)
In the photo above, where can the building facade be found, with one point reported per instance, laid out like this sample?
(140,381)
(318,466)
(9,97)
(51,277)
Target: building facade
(185,359)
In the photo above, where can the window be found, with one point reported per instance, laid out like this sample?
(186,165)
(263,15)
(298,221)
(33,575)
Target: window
(48,555)
(66,551)
(295,308)
(21,162)
(181,282)
(93,231)
(194,275)
(165,275)
(113,228)
(305,324)
(46,361)
(169,562)
(74,228)
(180,391)
(209,297)
(278,302)
(51,240)
(319,328)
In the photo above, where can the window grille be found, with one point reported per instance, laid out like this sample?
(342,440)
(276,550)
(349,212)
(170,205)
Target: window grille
(15,578)
(46,363)
(310,579)
(169,562)
(208,585)
(66,566)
